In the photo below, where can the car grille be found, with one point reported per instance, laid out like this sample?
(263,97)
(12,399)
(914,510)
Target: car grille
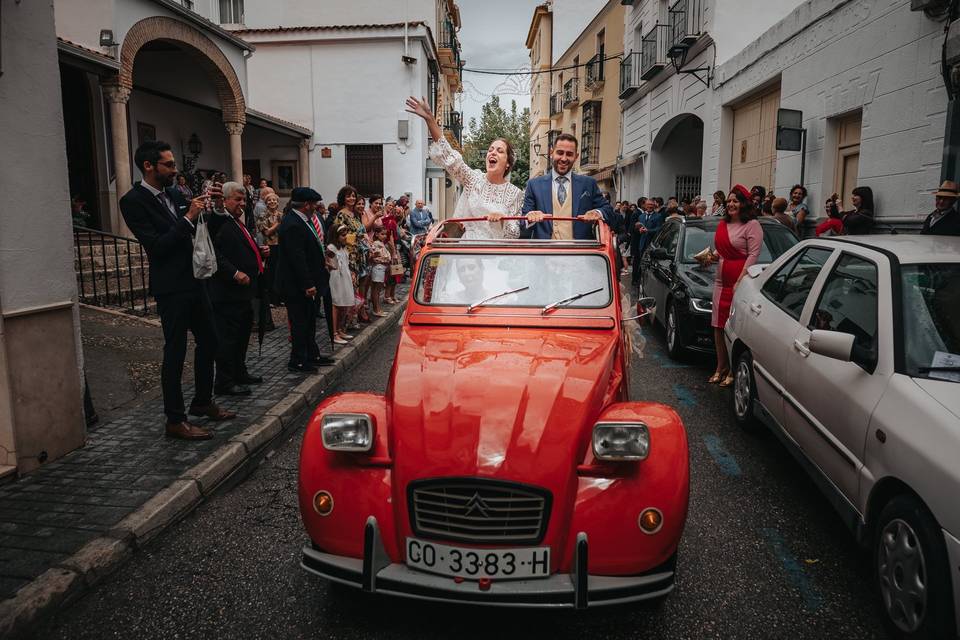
(478,511)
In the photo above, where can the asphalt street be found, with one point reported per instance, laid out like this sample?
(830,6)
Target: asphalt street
(763,554)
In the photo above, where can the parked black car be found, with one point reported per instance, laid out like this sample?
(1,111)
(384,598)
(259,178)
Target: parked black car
(683,288)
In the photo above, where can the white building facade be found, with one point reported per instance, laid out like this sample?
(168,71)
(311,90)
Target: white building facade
(344,70)
(132,70)
(865,74)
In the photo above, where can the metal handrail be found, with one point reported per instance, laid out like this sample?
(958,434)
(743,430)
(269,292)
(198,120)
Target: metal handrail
(108,289)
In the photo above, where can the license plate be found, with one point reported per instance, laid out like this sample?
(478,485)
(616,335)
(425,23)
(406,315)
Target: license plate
(500,564)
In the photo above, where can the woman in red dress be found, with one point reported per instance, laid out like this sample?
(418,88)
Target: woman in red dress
(738,240)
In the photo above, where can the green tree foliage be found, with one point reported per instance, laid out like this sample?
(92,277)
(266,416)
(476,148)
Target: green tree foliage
(495,122)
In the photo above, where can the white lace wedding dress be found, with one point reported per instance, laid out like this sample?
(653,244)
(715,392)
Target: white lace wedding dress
(480,197)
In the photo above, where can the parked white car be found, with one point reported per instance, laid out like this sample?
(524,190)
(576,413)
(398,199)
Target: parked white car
(849,350)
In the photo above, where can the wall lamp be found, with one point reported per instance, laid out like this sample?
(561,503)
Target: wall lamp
(106,38)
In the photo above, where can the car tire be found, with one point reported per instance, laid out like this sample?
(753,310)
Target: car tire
(908,548)
(744,393)
(671,330)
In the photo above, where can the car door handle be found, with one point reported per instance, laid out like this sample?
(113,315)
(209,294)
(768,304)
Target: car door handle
(802,347)
(755,308)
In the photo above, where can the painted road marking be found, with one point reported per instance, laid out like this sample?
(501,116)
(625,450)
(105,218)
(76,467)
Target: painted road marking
(728,464)
(812,600)
(684,396)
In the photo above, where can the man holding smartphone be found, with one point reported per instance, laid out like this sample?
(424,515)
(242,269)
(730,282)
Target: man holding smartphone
(165,223)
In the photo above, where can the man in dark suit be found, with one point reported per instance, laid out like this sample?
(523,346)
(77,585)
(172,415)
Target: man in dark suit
(563,194)
(302,278)
(239,267)
(945,219)
(165,223)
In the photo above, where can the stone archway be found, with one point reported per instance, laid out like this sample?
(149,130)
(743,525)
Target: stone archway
(676,157)
(208,56)
(206,53)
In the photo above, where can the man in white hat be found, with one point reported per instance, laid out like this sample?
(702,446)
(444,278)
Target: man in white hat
(945,219)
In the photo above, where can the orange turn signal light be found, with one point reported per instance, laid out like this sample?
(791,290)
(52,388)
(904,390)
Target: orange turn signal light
(322,503)
(650,520)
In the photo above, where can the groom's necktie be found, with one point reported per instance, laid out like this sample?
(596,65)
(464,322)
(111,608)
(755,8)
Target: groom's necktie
(561,189)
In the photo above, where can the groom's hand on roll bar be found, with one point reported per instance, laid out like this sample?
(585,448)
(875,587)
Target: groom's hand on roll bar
(536,216)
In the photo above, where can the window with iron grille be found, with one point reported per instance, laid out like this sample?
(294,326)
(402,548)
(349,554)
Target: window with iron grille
(687,187)
(590,142)
(434,90)
(365,168)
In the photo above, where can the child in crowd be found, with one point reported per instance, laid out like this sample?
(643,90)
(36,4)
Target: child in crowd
(380,257)
(341,286)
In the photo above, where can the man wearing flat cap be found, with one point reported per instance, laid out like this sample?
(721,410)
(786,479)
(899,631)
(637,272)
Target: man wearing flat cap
(302,279)
(945,219)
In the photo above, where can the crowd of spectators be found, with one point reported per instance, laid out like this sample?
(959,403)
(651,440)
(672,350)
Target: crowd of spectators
(341,263)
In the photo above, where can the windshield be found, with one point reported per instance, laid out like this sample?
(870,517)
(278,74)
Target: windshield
(776,240)
(931,324)
(461,279)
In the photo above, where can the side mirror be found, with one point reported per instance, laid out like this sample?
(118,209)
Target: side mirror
(832,344)
(755,269)
(645,307)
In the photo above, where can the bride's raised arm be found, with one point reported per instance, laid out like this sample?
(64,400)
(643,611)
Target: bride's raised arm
(440,150)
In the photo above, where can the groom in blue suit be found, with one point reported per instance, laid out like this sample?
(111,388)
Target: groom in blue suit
(563,194)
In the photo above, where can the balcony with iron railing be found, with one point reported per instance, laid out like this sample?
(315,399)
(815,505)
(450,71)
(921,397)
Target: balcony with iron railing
(594,73)
(629,74)
(653,51)
(453,127)
(556,104)
(571,92)
(686,22)
(448,50)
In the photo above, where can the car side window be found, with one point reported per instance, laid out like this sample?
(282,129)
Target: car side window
(848,302)
(667,238)
(670,239)
(789,287)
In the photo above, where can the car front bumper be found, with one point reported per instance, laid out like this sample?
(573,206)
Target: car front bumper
(696,331)
(376,573)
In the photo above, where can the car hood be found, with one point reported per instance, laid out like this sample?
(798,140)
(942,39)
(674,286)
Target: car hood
(497,402)
(699,280)
(943,391)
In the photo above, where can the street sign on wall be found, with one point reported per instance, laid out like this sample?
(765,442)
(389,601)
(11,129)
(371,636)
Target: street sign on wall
(789,130)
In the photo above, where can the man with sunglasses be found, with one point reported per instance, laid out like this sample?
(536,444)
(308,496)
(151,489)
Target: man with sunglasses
(165,223)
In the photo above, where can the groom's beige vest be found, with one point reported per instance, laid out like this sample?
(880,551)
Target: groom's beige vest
(563,230)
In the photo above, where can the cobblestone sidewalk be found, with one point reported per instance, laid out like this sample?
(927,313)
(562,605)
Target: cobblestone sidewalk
(49,515)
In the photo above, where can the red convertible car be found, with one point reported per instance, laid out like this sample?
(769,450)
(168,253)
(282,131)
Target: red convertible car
(505,464)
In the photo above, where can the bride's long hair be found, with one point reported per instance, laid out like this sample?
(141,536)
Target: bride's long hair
(511,155)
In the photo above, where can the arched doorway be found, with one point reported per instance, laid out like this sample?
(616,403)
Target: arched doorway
(203,51)
(676,158)
(158,33)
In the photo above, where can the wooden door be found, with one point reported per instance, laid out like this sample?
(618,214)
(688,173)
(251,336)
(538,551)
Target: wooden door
(754,155)
(848,157)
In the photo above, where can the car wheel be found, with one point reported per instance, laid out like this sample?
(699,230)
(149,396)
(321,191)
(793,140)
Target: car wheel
(744,393)
(912,571)
(671,327)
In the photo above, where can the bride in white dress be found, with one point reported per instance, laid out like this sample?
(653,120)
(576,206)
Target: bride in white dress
(485,194)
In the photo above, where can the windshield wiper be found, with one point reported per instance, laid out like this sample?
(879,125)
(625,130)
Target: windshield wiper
(477,305)
(559,303)
(929,369)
